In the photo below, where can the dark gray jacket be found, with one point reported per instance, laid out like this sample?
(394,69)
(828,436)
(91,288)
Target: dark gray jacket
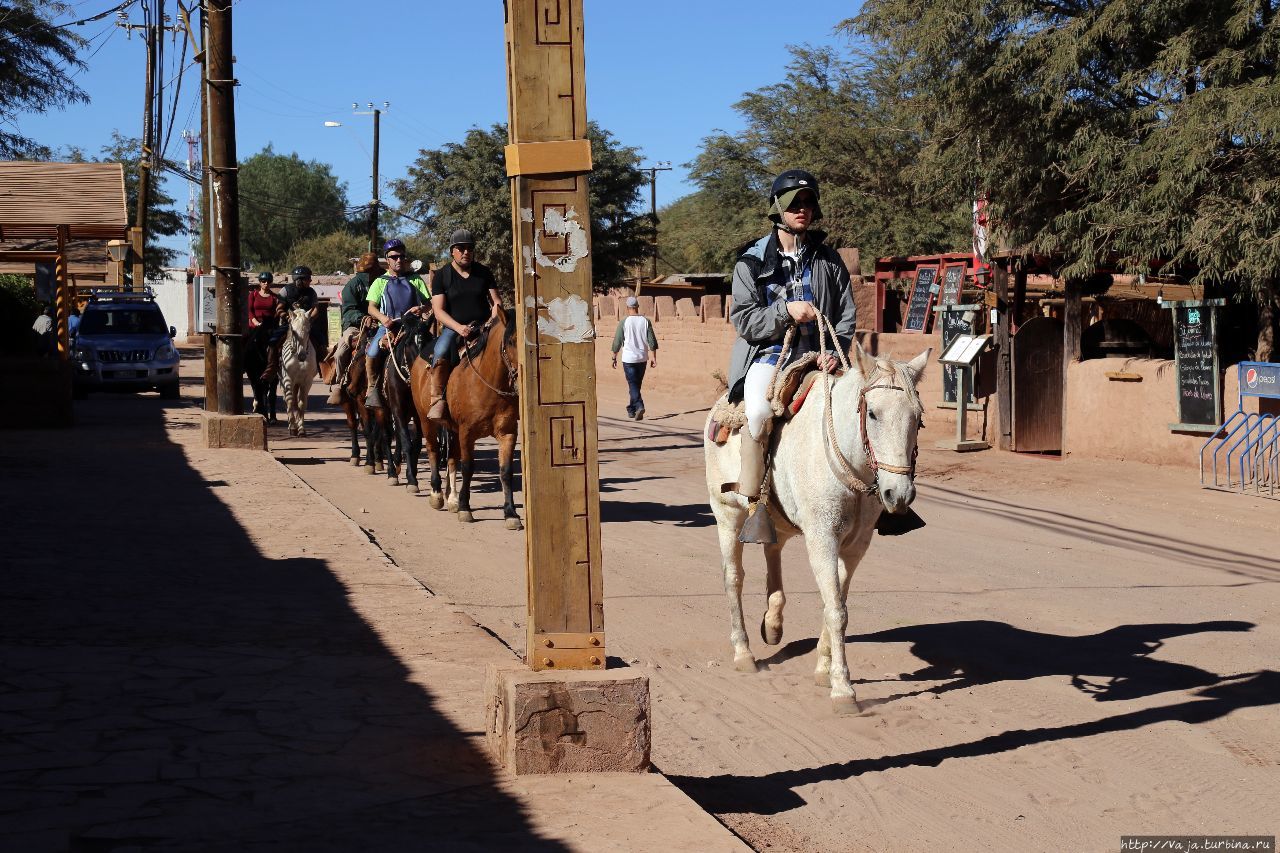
(760,324)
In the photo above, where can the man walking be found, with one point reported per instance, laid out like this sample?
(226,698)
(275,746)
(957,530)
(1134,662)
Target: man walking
(355,307)
(464,296)
(637,344)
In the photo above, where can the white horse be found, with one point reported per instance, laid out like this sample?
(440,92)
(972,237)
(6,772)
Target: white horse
(298,363)
(831,476)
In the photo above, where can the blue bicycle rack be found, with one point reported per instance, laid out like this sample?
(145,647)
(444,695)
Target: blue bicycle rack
(1244,453)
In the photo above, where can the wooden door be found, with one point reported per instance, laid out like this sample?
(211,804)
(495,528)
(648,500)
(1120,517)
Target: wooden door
(1037,386)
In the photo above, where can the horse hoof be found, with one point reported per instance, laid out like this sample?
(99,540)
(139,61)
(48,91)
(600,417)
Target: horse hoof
(411,488)
(372,469)
(437,502)
(465,515)
(514,524)
(355,460)
(845,705)
(746,663)
(822,678)
(452,507)
(393,480)
(772,636)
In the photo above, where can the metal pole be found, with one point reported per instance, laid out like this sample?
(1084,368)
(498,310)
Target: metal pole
(653,213)
(373,207)
(223,180)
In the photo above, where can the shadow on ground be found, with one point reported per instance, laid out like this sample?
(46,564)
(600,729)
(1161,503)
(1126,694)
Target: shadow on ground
(164,685)
(975,653)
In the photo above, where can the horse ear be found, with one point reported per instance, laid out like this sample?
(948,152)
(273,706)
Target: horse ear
(860,361)
(918,364)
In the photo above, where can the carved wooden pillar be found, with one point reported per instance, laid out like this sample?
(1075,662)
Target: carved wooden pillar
(548,160)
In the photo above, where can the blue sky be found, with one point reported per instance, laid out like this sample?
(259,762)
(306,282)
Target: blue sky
(660,76)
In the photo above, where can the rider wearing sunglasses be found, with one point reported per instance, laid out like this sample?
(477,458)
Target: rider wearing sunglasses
(394,294)
(786,278)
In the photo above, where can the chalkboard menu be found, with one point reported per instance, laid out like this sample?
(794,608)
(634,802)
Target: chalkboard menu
(921,300)
(954,325)
(1195,351)
(952,285)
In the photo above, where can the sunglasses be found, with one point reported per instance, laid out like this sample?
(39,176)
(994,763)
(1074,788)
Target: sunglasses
(394,257)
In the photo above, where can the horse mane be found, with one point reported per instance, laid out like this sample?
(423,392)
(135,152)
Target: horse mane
(898,372)
(509,318)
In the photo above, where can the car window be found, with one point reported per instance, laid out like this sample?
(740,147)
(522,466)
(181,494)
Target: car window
(123,322)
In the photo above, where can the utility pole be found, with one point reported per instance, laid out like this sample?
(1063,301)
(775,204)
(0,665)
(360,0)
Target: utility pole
(193,147)
(223,166)
(660,166)
(376,203)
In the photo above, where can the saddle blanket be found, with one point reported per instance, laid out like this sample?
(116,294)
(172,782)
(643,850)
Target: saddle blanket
(790,393)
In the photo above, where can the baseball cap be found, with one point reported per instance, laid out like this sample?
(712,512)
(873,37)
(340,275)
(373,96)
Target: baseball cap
(632,302)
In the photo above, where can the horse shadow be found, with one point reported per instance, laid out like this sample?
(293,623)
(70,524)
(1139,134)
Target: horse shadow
(776,792)
(680,515)
(1112,665)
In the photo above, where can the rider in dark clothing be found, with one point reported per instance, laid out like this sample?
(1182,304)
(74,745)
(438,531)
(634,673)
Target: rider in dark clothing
(355,308)
(297,294)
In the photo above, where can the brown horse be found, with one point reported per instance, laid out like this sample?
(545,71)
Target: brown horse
(483,401)
(371,422)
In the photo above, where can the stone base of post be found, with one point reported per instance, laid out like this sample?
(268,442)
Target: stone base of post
(580,721)
(239,432)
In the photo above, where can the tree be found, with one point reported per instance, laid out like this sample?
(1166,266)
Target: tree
(162,219)
(831,115)
(465,185)
(37,71)
(1104,130)
(285,199)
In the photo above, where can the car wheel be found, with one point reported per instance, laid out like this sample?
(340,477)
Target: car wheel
(170,392)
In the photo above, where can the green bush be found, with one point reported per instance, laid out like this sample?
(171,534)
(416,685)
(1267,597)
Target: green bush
(18,311)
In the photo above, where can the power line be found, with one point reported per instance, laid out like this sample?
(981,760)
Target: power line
(98,17)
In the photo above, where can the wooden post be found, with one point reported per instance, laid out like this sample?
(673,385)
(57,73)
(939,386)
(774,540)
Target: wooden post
(1071,331)
(62,298)
(220,88)
(548,161)
(139,263)
(1019,297)
(1004,358)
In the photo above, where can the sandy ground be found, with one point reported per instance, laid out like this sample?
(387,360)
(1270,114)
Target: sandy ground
(1071,651)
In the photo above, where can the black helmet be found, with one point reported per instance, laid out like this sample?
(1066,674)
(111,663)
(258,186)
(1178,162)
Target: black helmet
(266,276)
(784,189)
(301,273)
(461,237)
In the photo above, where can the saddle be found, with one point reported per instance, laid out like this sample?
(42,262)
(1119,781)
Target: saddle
(790,392)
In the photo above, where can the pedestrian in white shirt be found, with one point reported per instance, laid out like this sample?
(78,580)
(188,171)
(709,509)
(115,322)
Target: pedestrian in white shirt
(637,344)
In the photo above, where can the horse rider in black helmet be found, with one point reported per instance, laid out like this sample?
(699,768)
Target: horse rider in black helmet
(296,294)
(786,278)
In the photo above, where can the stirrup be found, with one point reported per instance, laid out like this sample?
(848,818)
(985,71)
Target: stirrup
(758,529)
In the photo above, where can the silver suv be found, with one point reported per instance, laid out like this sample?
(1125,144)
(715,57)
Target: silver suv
(124,344)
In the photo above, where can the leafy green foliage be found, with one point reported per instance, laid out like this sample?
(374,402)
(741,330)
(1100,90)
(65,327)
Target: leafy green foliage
(38,63)
(464,185)
(1130,129)
(327,253)
(18,311)
(833,116)
(285,199)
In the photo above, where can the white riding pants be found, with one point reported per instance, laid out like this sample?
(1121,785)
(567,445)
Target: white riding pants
(755,391)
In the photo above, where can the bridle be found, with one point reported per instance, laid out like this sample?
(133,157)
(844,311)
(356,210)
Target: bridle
(840,466)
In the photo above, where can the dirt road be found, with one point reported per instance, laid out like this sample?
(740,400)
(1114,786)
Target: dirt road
(1068,653)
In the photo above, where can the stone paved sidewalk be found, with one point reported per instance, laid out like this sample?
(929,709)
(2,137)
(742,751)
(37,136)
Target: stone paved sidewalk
(197,652)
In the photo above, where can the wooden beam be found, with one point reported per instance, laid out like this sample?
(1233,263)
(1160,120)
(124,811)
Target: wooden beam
(1004,360)
(1071,333)
(546,93)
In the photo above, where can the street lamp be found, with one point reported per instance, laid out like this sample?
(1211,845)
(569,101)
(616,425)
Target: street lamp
(376,202)
(118,251)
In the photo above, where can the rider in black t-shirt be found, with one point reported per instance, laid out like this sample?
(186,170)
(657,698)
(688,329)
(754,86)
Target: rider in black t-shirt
(464,297)
(296,294)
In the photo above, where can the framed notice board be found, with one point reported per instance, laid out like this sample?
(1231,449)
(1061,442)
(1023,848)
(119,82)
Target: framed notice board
(923,291)
(1195,353)
(952,285)
(954,321)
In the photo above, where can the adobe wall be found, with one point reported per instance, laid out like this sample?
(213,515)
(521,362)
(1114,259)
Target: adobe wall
(1108,419)
(694,343)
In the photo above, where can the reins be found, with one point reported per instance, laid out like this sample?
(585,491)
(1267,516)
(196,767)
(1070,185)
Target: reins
(512,373)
